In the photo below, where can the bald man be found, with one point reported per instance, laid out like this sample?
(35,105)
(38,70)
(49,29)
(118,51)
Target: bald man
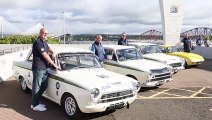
(98,49)
(40,63)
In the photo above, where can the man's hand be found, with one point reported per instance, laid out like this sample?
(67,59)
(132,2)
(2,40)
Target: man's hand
(55,67)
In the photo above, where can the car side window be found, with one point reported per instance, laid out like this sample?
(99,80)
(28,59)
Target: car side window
(142,49)
(169,49)
(67,62)
(110,55)
(163,50)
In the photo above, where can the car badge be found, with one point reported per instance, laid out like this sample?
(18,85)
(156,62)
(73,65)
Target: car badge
(57,85)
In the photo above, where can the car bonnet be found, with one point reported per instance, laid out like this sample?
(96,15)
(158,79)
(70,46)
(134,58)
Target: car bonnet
(100,78)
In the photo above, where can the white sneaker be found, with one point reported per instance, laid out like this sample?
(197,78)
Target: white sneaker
(42,105)
(39,108)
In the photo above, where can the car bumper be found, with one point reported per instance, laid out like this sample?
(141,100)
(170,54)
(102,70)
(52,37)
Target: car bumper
(101,107)
(176,69)
(156,83)
(194,63)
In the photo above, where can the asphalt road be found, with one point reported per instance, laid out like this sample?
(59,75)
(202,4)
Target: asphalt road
(187,97)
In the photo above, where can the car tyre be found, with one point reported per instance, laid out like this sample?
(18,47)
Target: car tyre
(71,108)
(24,86)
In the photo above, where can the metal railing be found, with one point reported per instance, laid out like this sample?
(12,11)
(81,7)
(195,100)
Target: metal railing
(15,49)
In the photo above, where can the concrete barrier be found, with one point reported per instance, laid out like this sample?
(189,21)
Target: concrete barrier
(6,62)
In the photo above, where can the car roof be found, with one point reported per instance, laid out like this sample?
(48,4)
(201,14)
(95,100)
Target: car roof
(116,47)
(68,49)
(140,43)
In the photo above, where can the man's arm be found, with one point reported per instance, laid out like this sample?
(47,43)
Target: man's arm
(93,48)
(46,56)
(179,43)
(53,53)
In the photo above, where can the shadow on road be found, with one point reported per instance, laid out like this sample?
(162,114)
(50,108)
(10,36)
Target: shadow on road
(144,89)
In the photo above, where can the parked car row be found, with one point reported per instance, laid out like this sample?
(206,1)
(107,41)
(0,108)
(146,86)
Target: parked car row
(84,85)
(127,61)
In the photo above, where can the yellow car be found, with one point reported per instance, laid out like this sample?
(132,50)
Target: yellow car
(190,58)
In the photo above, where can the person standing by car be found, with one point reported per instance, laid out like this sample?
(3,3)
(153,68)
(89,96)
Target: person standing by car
(206,43)
(187,46)
(98,49)
(199,41)
(40,63)
(123,40)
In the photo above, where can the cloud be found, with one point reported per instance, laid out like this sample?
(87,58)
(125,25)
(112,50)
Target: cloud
(101,16)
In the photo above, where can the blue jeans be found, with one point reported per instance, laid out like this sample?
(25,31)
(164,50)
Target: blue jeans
(40,83)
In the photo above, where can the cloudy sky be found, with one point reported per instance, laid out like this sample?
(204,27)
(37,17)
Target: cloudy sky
(98,16)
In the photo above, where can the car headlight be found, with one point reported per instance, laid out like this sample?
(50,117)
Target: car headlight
(137,86)
(95,93)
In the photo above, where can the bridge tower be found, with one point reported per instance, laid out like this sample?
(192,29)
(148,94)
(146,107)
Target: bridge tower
(60,29)
(171,16)
(2,30)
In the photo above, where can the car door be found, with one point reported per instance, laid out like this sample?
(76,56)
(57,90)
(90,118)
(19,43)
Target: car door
(28,73)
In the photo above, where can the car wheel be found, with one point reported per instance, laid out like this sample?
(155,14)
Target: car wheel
(71,108)
(24,86)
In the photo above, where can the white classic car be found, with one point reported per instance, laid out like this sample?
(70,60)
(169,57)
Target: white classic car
(82,85)
(126,60)
(152,52)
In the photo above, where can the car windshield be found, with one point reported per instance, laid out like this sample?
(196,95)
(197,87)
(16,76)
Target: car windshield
(75,60)
(128,54)
(173,49)
(150,49)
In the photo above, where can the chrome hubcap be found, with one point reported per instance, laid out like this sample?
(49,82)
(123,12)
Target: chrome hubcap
(23,84)
(70,106)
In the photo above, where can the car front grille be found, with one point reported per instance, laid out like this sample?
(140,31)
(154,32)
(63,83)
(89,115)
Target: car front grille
(159,77)
(160,71)
(176,65)
(116,96)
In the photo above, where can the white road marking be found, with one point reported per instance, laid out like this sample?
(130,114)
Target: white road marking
(198,92)
(174,95)
(184,89)
(159,93)
(193,96)
(154,98)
